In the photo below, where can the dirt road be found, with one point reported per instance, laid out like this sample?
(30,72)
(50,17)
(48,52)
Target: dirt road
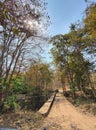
(64,116)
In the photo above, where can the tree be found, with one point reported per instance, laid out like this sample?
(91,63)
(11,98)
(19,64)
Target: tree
(90,21)
(90,31)
(68,53)
(71,51)
(60,51)
(21,22)
(39,74)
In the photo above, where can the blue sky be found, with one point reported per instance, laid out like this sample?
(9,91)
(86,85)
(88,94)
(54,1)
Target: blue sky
(64,12)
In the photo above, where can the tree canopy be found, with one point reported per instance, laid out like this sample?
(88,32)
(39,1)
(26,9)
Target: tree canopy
(70,50)
(22,23)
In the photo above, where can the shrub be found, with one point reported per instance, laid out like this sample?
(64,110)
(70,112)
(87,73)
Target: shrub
(11,102)
(18,85)
(37,97)
(80,100)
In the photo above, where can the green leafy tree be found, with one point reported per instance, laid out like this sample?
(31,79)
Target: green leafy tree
(90,31)
(90,21)
(68,53)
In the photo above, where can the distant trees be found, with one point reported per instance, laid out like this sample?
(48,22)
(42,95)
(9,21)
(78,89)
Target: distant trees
(39,74)
(39,80)
(21,23)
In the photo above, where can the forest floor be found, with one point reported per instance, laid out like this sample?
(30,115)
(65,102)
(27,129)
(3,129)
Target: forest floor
(21,120)
(63,116)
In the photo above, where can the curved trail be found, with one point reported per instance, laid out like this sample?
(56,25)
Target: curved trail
(64,116)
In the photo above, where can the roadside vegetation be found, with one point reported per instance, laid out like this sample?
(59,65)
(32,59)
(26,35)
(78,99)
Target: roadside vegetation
(25,82)
(21,38)
(74,56)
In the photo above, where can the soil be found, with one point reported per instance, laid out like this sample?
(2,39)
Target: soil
(64,116)
(21,120)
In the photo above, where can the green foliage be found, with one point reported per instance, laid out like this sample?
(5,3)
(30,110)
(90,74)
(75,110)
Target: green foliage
(72,87)
(18,85)
(88,91)
(39,74)
(68,56)
(70,51)
(90,29)
(80,100)
(16,34)
(94,78)
(3,86)
(11,101)
(90,21)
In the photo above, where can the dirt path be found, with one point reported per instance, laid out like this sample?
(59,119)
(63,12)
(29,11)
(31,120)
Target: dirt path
(64,116)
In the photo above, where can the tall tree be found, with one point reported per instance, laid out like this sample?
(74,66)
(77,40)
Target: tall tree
(90,21)
(21,22)
(90,31)
(68,53)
